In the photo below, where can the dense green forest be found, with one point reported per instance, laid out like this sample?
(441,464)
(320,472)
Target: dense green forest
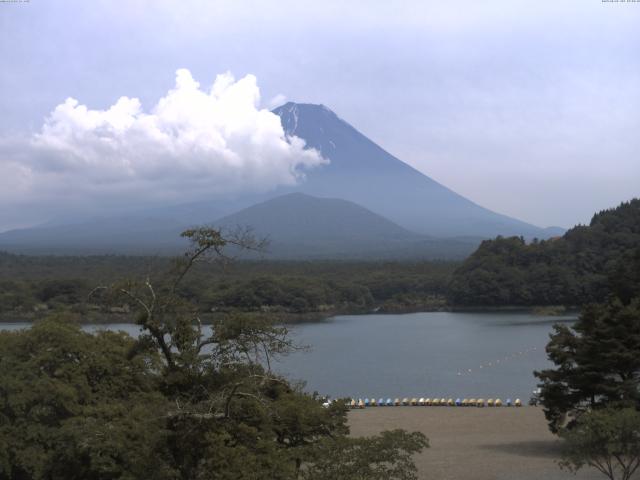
(295,291)
(585,265)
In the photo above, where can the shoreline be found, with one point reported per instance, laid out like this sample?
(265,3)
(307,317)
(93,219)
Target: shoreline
(291,318)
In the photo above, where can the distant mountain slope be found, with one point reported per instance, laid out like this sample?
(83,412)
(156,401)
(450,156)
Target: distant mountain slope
(364,173)
(302,226)
(298,226)
(133,235)
(584,265)
(301,218)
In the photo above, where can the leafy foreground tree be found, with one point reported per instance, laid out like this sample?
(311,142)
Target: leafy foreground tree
(182,401)
(607,439)
(73,405)
(591,398)
(598,363)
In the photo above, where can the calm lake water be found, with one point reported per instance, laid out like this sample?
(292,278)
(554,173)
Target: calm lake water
(432,354)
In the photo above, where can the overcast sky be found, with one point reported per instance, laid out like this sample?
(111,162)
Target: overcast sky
(529,108)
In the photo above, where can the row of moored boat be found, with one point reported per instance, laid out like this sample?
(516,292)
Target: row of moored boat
(435,402)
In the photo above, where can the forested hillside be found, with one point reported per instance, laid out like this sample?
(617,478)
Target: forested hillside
(292,291)
(584,265)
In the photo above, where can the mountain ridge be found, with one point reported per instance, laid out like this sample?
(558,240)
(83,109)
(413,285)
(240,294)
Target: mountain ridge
(298,225)
(302,226)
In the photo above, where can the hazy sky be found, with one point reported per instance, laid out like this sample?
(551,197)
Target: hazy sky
(530,108)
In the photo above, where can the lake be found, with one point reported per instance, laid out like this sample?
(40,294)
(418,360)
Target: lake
(434,354)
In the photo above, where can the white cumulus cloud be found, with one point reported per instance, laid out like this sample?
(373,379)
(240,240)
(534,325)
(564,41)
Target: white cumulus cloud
(193,143)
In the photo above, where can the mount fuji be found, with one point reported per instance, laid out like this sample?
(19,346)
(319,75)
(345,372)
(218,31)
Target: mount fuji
(423,218)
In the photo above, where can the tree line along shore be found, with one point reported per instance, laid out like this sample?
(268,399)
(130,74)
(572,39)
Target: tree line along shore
(584,266)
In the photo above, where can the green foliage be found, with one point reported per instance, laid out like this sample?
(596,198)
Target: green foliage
(585,265)
(387,456)
(606,439)
(73,406)
(29,285)
(182,401)
(597,362)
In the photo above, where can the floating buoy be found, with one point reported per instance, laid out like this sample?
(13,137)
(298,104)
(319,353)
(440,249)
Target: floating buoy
(498,402)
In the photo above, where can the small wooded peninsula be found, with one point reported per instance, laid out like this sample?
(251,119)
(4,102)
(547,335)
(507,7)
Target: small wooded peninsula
(586,264)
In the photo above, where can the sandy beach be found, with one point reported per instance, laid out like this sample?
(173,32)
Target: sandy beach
(475,443)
